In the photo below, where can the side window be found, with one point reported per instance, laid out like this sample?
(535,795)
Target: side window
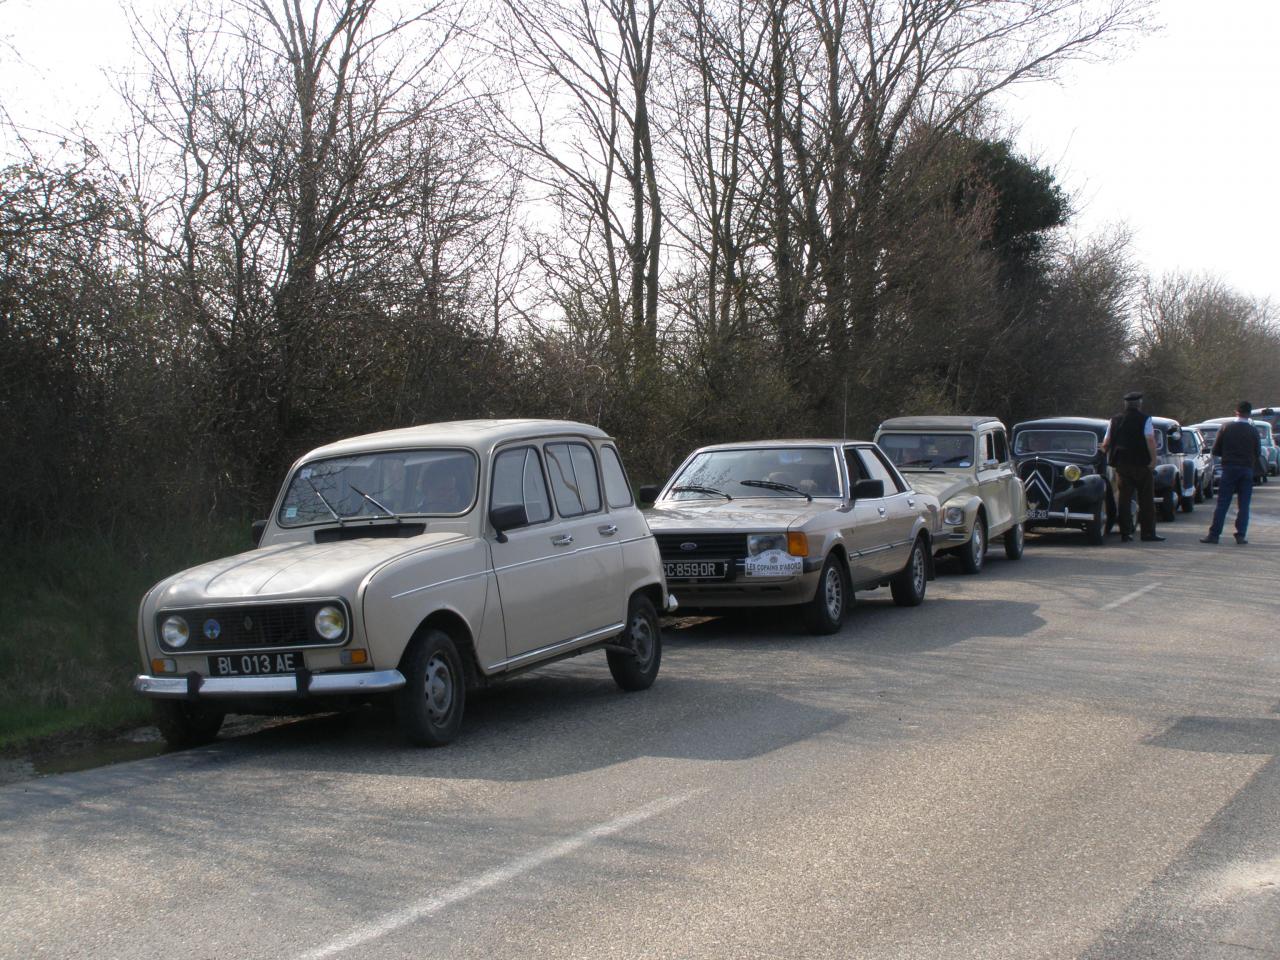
(988,448)
(1002,446)
(854,465)
(517,478)
(875,467)
(617,491)
(572,467)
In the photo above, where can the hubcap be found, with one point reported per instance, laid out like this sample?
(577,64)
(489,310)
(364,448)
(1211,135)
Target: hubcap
(834,591)
(642,639)
(975,544)
(439,688)
(917,569)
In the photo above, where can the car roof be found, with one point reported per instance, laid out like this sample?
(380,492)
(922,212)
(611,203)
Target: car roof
(479,434)
(1066,423)
(745,444)
(938,423)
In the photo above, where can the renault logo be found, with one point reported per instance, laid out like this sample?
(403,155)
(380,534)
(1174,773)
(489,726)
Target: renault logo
(248,624)
(688,545)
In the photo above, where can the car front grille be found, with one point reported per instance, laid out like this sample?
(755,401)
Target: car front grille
(705,546)
(1042,480)
(250,626)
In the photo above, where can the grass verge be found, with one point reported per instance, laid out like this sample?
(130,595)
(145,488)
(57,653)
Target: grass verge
(68,637)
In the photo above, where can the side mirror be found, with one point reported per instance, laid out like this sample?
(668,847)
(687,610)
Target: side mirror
(508,517)
(649,493)
(868,490)
(256,531)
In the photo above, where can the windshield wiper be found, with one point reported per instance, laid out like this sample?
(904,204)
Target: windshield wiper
(698,488)
(327,505)
(775,485)
(390,513)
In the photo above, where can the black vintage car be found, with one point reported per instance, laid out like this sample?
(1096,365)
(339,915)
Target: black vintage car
(1065,474)
(1174,472)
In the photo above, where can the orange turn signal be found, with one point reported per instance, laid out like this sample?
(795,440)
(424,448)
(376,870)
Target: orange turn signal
(355,657)
(797,544)
(163,665)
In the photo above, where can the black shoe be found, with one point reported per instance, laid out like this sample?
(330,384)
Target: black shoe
(1209,539)
(1126,537)
(1240,539)
(1155,538)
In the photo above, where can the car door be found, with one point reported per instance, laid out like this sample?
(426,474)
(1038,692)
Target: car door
(898,509)
(866,533)
(995,479)
(538,583)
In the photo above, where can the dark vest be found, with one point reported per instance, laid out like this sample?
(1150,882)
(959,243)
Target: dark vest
(1128,440)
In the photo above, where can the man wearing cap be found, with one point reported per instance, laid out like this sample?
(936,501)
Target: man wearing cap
(1130,445)
(1240,448)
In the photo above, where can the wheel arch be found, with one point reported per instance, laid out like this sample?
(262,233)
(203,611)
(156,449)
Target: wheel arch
(451,623)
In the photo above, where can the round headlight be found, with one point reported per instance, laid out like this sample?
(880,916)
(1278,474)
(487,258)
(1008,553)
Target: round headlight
(953,516)
(175,632)
(1071,472)
(331,623)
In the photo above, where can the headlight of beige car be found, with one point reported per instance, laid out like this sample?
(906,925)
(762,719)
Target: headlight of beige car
(953,516)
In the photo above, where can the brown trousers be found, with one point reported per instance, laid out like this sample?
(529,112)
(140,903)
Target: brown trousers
(1137,480)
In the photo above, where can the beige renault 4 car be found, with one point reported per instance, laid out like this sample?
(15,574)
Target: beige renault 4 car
(801,522)
(965,463)
(413,564)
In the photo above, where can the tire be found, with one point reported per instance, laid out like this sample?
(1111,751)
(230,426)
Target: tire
(909,584)
(825,612)
(638,670)
(974,553)
(1169,506)
(1014,541)
(1188,504)
(1095,530)
(184,724)
(430,705)
(1201,494)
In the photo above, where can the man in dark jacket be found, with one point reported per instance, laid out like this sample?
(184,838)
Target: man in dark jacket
(1240,448)
(1130,445)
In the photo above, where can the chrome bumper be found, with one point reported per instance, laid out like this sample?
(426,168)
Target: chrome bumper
(1062,515)
(284,684)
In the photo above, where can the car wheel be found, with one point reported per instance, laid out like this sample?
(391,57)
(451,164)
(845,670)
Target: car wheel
(637,668)
(825,612)
(429,706)
(1201,495)
(1188,504)
(909,584)
(184,724)
(1169,506)
(1095,530)
(973,553)
(1015,539)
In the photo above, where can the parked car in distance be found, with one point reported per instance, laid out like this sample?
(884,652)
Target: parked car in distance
(1172,492)
(1197,465)
(1208,431)
(965,463)
(413,564)
(1065,474)
(1265,435)
(792,522)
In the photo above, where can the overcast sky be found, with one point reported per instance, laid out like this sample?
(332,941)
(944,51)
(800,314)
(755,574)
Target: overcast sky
(1178,140)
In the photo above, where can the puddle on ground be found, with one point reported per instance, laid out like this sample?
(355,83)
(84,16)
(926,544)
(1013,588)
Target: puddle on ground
(102,754)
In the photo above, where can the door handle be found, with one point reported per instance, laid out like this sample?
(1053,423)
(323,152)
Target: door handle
(881,509)
(911,503)
(608,530)
(561,541)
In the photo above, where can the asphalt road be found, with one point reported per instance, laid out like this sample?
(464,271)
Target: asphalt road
(1071,756)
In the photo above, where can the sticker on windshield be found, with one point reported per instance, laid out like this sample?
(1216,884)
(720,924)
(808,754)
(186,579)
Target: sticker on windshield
(306,473)
(965,463)
(790,456)
(773,563)
(290,512)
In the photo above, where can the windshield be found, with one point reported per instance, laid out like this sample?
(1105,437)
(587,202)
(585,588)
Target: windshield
(1264,432)
(1082,443)
(795,471)
(1208,433)
(381,484)
(928,450)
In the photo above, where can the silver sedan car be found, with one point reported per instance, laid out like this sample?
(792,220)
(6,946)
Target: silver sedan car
(792,522)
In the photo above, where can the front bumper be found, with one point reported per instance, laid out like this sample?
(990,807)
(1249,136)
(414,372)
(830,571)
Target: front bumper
(193,686)
(751,591)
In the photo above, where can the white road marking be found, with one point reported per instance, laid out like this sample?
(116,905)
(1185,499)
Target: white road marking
(1131,596)
(490,878)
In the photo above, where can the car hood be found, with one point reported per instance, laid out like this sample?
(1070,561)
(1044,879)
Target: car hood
(292,569)
(942,484)
(735,514)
